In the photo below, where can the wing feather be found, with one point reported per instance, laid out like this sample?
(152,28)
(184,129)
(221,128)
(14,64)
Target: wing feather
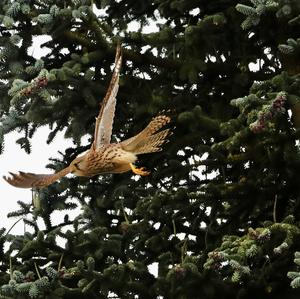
(32,180)
(104,120)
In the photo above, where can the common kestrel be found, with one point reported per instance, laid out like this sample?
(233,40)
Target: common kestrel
(103,156)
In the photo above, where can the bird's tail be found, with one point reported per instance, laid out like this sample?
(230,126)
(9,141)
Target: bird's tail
(149,140)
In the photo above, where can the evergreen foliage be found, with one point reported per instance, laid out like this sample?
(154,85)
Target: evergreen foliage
(219,215)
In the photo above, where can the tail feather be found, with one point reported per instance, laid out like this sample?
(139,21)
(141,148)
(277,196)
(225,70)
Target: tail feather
(149,140)
(152,143)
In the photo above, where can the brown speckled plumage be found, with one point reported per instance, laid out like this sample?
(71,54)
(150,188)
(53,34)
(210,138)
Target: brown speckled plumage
(103,156)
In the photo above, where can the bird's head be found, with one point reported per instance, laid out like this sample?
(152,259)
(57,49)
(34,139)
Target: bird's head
(78,165)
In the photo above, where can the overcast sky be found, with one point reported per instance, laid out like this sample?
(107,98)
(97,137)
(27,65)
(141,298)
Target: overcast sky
(14,158)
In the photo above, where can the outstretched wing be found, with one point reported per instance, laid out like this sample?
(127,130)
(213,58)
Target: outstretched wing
(104,120)
(32,180)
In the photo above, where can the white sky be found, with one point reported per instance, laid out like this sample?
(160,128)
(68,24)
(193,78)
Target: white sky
(14,159)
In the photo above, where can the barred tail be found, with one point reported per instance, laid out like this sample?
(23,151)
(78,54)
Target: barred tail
(149,140)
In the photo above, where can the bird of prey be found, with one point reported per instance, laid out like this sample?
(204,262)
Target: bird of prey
(103,156)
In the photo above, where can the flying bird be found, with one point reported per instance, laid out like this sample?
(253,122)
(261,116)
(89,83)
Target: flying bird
(105,157)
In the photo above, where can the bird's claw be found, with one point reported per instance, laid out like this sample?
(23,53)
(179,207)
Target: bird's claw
(139,171)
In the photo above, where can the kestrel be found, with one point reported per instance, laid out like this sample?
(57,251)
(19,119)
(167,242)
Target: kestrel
(105,157)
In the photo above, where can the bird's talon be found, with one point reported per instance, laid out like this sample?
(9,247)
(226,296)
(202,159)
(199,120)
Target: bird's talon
(139,171)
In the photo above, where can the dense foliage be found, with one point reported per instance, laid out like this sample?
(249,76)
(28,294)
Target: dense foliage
(219,215)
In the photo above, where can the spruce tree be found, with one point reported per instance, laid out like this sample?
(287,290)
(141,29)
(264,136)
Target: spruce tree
(219,215)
